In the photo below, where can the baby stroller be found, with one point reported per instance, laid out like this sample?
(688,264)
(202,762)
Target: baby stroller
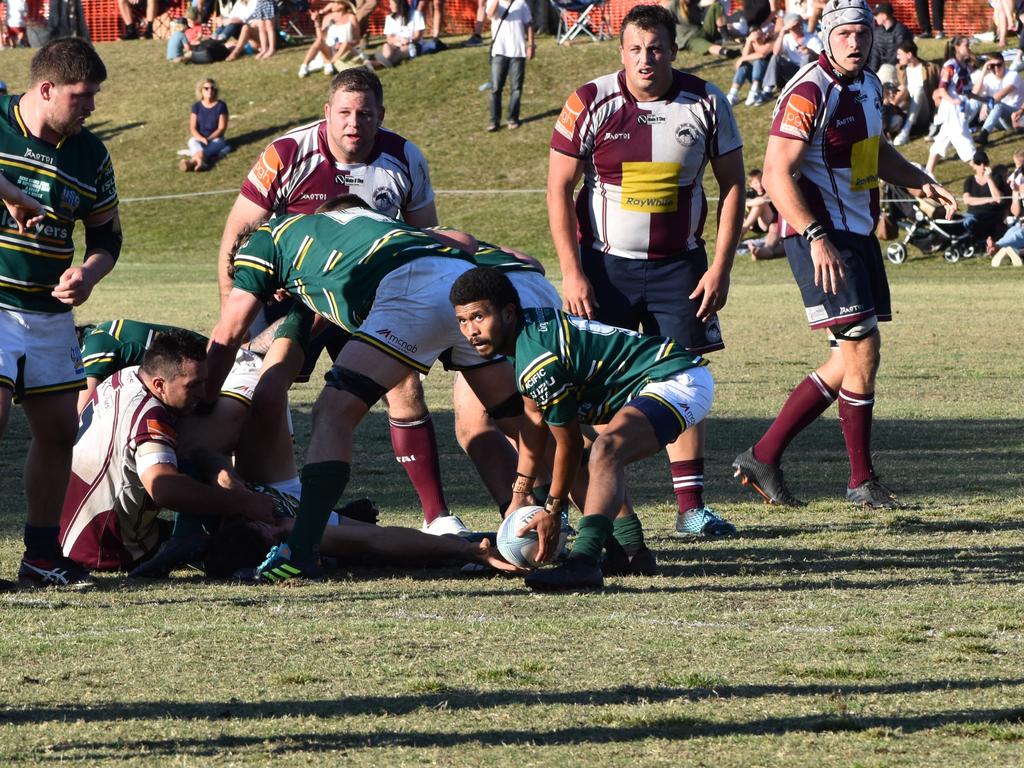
(924,229)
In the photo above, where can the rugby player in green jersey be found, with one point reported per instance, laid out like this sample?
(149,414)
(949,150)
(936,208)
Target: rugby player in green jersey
(46,152)
(646,389)
(384,282)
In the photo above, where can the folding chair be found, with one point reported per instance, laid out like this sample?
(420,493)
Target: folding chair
(589,20)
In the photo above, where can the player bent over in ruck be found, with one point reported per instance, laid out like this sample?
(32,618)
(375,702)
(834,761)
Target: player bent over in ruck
(363,272)
(646,389)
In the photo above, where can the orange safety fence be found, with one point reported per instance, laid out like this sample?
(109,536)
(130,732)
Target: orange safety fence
(104,21)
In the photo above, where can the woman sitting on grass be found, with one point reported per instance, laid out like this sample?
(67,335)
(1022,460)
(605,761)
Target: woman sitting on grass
(207,125)
(403,30)
(337,38)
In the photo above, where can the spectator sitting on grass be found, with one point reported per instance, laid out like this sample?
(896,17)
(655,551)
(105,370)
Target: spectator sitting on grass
(916,81)
(232,22)
(1014,236)
(263,19)
(403,30)
(753,63)
(207,125)
(1007,95)
(186,32)
(700,26)
(337,38)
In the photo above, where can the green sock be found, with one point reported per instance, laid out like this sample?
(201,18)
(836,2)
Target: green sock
(540,493)
(591,535)
(629,533)
(186,525)
(322,486)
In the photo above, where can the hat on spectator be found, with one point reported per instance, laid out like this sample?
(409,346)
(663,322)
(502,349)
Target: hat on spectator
(790,20)
(883,8)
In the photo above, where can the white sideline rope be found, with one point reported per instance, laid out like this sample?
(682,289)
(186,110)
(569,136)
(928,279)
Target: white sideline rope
(183,195)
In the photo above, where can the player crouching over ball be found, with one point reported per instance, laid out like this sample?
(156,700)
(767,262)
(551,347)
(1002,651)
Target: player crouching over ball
(572,371)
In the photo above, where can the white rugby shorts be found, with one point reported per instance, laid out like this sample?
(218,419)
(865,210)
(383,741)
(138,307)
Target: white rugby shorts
(46,347)
(411,318)
(534,290)
(240,383)
(689,394)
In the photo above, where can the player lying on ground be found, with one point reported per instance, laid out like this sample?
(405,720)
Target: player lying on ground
(125,465)
(241,545)
(646,389)
(258,434)
(363,272)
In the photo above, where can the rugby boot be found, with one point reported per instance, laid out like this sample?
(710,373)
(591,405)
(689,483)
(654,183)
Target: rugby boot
(279,567)
(766,479)
(57,571)
(871,493)
(703,523)
(175,552)
(576,573)
(617,562)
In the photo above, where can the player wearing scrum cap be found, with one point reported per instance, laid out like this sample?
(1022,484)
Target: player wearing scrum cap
(824,157)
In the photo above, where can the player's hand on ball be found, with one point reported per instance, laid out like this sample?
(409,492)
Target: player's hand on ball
(548,528)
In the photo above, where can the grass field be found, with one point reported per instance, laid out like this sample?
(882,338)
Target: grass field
(824,636)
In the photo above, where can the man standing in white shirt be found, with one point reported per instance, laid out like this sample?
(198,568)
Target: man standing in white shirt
(512,44)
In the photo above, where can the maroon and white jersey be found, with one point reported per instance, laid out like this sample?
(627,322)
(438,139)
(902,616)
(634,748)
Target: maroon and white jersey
(297,174)
(842,124)
(643,193)
(109,521)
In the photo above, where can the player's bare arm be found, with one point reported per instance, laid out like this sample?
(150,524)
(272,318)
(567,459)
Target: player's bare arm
(781,163)
(533,438)
(564,173)
(896,169)
(26,210)
(714,285)
(76,283)
(568,453)
(91,382)
(237,315)
(245,214)
(171,489)
(421,217)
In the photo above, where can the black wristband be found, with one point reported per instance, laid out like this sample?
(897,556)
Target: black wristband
(814,231)
(554,506)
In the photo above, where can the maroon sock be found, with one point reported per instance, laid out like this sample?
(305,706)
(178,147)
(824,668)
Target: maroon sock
(855,417)
(688,483)
(808,401)
(415,446)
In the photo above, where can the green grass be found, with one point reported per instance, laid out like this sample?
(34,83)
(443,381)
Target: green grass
(826,635)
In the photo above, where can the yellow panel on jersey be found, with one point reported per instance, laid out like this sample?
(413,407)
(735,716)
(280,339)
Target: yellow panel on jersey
(864,164)
(650,187)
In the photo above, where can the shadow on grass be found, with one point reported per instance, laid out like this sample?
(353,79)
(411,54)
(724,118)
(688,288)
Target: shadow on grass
(104,131)
(239,140)
(476,701)
(540,116)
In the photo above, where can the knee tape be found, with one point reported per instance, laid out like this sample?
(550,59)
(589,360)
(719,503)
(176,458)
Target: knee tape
(363,387)
(855,331)
(508,408)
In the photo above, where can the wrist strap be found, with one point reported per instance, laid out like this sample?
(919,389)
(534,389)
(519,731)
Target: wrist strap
(554,505)
(814,231)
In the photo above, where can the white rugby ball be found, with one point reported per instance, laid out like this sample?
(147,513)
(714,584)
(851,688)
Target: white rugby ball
(521,550)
